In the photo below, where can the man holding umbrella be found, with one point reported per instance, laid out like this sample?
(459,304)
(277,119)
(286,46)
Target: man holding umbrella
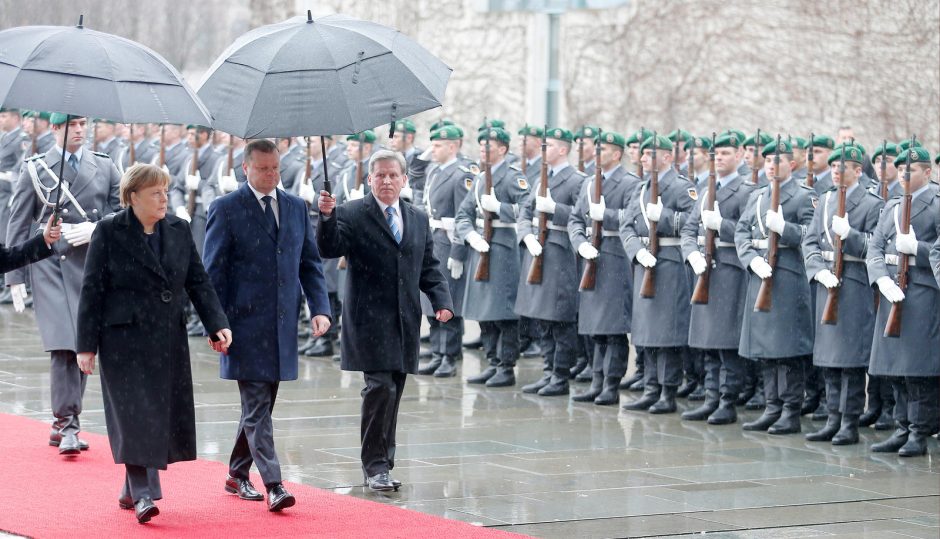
(89,193)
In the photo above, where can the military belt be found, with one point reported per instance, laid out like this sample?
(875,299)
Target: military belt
(895,260)
(718,243)
(610,234)
(549,225)
(664,242)
(446,224)
(830,256)
(496,223)
(764,244)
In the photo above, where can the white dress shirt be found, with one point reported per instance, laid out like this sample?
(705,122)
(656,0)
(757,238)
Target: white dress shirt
(274,207)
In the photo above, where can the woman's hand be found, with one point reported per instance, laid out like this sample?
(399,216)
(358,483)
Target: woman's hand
(53,231)
(86,362)
(224,341)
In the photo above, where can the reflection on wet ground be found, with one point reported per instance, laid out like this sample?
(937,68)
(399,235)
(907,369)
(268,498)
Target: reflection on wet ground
(543,466)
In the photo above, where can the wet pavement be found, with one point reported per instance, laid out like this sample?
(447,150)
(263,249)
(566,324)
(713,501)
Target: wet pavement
(543,466)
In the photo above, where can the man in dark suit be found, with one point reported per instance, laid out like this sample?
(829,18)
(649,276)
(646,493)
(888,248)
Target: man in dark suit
(389,250)
(260,252)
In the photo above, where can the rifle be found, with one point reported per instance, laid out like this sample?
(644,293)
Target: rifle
(193,169)
(700,294)
(580,151)
(755,171)
(893,326)
(535,270)
(132,155)
(830,314)
(162,146)
(764,295)
(525,139)
(94,137)
(675,151)
(483,268)
(639,161)
(648,288)
(810,175)
(884,170)
(589,278)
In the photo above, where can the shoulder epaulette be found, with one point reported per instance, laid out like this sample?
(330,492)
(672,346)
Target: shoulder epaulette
(515,167)
(34,156)
(875,194)
(804,186)
(102,154)
(464,169)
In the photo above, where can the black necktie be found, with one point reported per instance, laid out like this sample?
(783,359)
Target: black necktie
(269,215)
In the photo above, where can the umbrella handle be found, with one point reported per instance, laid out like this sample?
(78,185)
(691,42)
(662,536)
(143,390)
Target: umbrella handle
(326,168)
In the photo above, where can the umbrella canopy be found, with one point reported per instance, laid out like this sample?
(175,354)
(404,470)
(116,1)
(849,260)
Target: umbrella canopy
(327,76)
(74,70)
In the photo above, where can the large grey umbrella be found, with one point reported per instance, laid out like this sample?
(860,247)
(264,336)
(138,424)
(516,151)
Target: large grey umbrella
(74,70)
(327,76)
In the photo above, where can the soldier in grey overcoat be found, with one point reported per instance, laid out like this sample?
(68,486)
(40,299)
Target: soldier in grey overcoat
(839,351)
(604,311)
(911,360)
(93,185)
(490,302)
(13,144)
(553,302)
(716,326)
(660,324)
(781,339)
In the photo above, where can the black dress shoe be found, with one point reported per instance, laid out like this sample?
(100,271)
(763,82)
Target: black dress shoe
(597,385)
(897,440)
(243,488)
(432,365)
(763,422)
(55,438)
(556,387)
(279,498)
(916,445)
(447,369)
(726,413)
(380,482)
(322,347)
(145,510)
(126,502)
(504,377)
(69,445)
(481,378)
(535,386)
(473,345)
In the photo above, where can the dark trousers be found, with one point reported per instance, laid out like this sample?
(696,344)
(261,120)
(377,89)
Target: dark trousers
(380,400)
(500,340)
(845,390)
(336,306)
(813,379)
(664,365)
(446,338)
(255,439)
(880,393)
(67,385)
(783,383)
(528,332)
(611,353)
(724,372)
(916,405)
(694,365)
(560,345)
(141,482)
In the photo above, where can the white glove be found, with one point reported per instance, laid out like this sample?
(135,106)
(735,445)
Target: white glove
(712,219)
(654,211)
(18,291)
(489,202)
(357,194)
(455,267)
(775,220)
(477,242)
(645,258)
(307,192)
(533,245)
(407,193)
(227,184)
(827,278)
(80,234)
(597,210)
(183,214)
(761,268)
(889,289)
(697,261)
(545,204)
(840,225)
(192,181)
(587,251)
(906,243)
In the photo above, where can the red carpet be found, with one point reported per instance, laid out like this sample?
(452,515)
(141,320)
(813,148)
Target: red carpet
(45,495)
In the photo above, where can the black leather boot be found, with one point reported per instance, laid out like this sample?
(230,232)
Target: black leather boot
(916,445)
(726,412)
(597,385)
(535,386)
(557,386)
(870,416)
(897,440)
(686,388)
(432,366)
(705,410)
(649,398)
(789,422)
(666,403)
(630,380)
(481,378)
(504,377)
(610,393)
(848,431)
(447,369)
(826,433)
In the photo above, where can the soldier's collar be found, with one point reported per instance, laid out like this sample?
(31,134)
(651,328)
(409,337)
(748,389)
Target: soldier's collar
(494,168)
(608,173)
(920,191)
(106,141)
(78,154)
(204,149)
(449,163)
(559,167)
(723,180)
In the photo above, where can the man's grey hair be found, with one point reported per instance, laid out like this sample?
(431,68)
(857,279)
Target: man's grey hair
(387,155)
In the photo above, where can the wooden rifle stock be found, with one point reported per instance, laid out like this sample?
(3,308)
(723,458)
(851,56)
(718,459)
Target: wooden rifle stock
(884,170)
(581,151)
(589,278)
(162,160)
(755,171)
(535,270)
(765,293)
(893,325)
(483,267)
(193,168)
(830,315)
(132,155)
(648,287)
(700,294)
(810,175)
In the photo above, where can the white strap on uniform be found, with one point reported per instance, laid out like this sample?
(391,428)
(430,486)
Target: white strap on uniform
(643,206)
(496,223)
(549,225)
(44,197)
(663,242)
(830,256)
(895,260)
(718,243)
(760,222)
(826,217)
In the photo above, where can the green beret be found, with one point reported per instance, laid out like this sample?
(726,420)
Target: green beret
(112,122)
(559,133)
(937,159)
(728,140)
(492,123)
(679,134)
(801,142)
(765,139)
(437,125)
(405,126)
(639,136)
(589,131)
(447,132)
(366,136)
(824,141)
(918,155)
(615,139)
(531,131)
(460,129)
(738,134)
(890,150)
(661,143)
(905,144)
(6,109)
(852,153)
(58,118)
(495,133)
(772,147)
(38,114)
(698,142)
